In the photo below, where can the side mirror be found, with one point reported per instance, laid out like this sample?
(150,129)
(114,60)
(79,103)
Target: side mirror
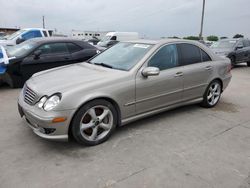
(239,47)
(150,71)
(37,54)
(19,40)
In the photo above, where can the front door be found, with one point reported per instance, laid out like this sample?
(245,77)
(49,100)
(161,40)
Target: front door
(155,92)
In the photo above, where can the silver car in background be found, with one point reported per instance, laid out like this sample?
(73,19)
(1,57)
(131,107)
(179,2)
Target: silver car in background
(129,81)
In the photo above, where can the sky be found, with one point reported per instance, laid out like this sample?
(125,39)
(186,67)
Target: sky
(151,18)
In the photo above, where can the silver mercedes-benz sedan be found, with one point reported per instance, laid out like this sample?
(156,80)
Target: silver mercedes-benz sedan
(129,81)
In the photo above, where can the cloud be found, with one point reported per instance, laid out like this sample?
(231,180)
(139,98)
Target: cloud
(150,18)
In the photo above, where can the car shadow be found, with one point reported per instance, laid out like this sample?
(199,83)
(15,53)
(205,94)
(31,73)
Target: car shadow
(70,148)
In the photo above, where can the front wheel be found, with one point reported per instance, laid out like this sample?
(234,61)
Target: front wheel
(212,94)
(94,122)
(248,63)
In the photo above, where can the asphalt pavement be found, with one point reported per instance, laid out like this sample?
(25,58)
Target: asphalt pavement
(186,147)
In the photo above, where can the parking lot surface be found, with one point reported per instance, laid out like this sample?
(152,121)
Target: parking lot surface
(187,147)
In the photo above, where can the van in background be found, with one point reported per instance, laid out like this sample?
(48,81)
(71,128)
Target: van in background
(112,38)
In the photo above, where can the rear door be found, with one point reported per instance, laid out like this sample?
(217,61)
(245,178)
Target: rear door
(197,70)
(52,55)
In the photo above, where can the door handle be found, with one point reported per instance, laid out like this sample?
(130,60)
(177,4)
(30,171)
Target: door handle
(208,67)
(178,74)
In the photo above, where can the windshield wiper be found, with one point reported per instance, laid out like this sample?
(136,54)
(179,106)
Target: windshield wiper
(104,65)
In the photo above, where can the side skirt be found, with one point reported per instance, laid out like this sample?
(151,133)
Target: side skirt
(156,111)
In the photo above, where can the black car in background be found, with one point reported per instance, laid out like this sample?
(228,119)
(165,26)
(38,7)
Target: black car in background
(93,41)
(40,54)
(237,50)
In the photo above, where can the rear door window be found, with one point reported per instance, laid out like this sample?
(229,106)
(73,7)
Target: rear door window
(165,58)
(205,56)
(73,47)
(188,54)
(54,48)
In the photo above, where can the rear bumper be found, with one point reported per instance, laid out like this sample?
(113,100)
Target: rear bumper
(42,124)
(226,81)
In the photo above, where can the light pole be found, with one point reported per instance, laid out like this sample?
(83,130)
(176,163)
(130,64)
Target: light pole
(43,22)
(202,19)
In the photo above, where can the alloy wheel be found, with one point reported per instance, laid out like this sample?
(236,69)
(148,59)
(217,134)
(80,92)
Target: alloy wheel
(214,93)
(96,123)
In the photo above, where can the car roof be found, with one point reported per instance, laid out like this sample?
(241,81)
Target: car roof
(54,39)
(163,41)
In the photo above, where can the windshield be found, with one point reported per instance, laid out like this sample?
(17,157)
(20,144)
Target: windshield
(224,44)
(122,56)
(14,35)
(20,49)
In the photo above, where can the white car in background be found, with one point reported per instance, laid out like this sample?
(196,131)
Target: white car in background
(23,35)
(112,38)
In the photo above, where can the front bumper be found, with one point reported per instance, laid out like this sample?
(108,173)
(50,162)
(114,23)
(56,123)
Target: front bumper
(41,122)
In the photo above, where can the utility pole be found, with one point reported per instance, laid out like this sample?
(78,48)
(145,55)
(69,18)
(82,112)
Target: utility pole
(43,23)
(202,19)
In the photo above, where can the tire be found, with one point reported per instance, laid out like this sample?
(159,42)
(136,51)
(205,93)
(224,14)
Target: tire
(13,82)
(1,82)
(212,94)
(248,63)
(94,122)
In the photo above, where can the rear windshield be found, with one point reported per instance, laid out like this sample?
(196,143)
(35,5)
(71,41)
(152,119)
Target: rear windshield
(224,44)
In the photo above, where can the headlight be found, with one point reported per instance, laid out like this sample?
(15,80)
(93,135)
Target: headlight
(52,102)
(41,102)
(48,103)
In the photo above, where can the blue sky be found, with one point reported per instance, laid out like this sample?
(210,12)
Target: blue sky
(152,19)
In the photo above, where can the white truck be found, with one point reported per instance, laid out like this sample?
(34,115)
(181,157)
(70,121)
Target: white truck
(23,35)
(112,38)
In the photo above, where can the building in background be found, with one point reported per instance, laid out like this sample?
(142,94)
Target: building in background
(86,35)
(8,31)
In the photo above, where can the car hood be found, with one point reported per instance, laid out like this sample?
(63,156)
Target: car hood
(6,42)
(71,77)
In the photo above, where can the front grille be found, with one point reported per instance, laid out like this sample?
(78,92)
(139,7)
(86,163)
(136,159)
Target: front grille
(30,96)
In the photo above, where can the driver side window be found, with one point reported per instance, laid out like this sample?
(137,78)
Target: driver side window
(165,58)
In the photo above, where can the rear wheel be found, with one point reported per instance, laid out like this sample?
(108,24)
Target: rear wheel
(248,63)
(212,94)
(94,122)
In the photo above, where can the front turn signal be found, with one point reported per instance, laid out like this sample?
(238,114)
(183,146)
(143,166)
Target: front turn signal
(59,119)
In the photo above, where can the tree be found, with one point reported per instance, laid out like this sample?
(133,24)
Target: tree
(173,37)
(238,36)
(212,38)
(192,38)
(223,37)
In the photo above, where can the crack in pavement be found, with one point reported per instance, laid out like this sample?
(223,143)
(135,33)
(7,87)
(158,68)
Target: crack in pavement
(125,178)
